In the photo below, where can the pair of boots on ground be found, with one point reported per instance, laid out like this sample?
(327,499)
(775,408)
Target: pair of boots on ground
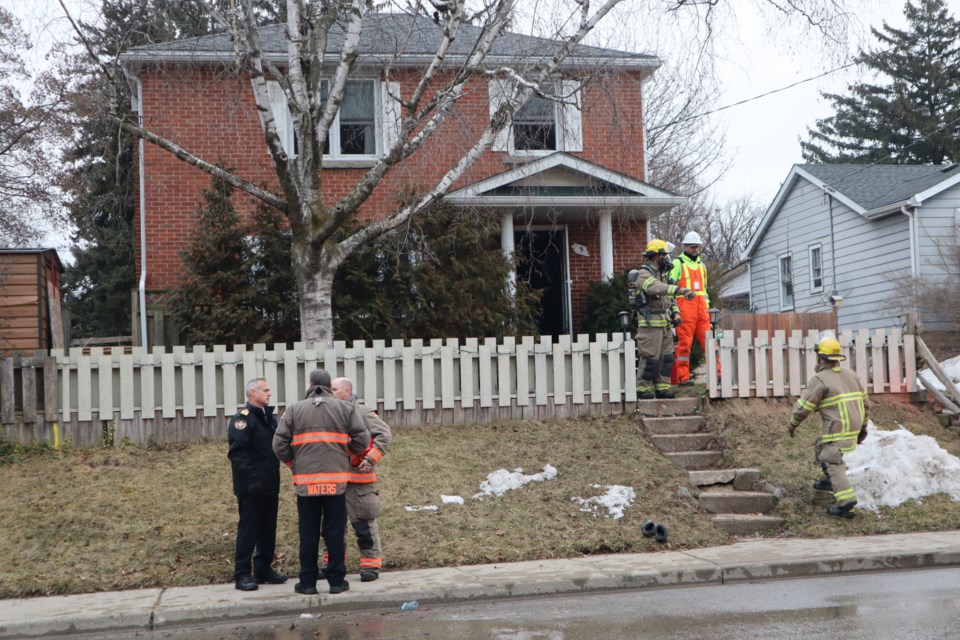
(844,510)
(649,530)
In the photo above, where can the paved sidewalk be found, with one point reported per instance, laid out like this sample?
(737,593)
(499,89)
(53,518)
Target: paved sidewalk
(760,559)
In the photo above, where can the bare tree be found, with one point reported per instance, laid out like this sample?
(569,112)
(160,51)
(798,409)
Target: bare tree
(314,89)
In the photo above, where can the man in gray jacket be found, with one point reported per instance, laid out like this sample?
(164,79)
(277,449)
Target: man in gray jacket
(315,438)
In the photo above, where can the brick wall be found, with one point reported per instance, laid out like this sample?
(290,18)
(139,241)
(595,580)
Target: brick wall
(210,112)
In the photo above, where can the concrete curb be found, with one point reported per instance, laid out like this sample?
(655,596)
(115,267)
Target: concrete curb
(760,559)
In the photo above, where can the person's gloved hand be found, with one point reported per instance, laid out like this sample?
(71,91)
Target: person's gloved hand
(675,319)
(791,429)
(689,295)
(862,435)
(366,465)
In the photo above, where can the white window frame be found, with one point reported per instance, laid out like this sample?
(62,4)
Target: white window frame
(815,264)
(386,117)
(781,282)
(567,114)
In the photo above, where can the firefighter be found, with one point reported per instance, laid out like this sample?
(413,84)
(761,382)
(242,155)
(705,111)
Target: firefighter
(316,437)
(843,405)
(656,315)
(688,271)
(363,498)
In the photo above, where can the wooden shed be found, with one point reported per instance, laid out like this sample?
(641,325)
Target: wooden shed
(30,313)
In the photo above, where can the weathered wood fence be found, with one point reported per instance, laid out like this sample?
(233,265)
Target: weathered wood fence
(90,396)
(765,365)
(85,396)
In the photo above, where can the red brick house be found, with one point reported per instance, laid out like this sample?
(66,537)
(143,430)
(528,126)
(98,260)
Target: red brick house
(567,176)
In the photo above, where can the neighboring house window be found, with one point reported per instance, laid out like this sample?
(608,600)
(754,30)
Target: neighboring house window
(786,283)
(354,130)
(542,125)
(816,268)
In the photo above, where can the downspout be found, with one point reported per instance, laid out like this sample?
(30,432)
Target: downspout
(833,252)
(914,234)
(643,131)
(137,106)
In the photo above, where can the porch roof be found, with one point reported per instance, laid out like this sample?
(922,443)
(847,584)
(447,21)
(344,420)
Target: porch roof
(563,188)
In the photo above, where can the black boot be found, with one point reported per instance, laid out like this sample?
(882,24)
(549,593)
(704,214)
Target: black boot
(842,510)
(666,394)
(823,484)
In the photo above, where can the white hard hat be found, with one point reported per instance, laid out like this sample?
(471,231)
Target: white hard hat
(692,237)
(670,247)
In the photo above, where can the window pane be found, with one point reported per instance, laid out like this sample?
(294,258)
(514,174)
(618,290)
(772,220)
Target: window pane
(534,124)
(357,123)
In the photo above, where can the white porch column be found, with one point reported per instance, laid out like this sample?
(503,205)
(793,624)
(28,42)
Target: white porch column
(506,245)
(606,245)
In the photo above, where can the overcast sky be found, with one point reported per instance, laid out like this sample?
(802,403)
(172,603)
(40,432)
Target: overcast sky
(762,135)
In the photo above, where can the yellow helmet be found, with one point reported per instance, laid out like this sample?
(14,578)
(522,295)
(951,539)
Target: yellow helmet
(829,349)
(655,246)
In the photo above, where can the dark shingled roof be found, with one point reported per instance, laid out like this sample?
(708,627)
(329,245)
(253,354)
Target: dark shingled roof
(382,36)
(876,186)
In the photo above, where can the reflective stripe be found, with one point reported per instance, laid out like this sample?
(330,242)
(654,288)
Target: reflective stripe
(321,436)
(370,563)
(682,358)
(844,495)
(646,324)
(662,386)
(310,478)
(375,455)
(363,478)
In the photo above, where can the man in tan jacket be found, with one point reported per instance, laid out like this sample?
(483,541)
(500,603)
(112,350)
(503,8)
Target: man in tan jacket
(315,438)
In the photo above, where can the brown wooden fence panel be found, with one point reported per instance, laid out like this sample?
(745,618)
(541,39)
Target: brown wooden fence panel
(771,322)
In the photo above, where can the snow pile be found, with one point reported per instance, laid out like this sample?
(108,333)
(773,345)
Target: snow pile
(616,500)
(951,367)
(892,467)
(428,507)
(500,481)
(450,499)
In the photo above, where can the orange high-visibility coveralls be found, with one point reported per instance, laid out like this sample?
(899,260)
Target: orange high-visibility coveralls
(695,320)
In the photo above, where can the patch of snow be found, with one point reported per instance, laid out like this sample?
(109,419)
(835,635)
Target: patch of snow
(617,499)
(950,366)
(306,616)
(450,499)
(892,467)
(500,481)
(429,507)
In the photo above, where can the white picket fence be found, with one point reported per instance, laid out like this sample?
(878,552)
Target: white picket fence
(768,366)
(87,396)
(187,395)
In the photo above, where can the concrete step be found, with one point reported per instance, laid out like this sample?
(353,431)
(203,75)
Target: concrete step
(695,459)
(676,407)
(737,524)
(673,424)
(688,442)
(736,501)
(739,479)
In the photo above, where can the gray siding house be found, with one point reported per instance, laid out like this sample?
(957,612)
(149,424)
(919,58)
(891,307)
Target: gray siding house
(847,237)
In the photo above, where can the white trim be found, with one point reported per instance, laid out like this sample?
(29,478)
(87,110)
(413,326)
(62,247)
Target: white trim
(793,293)
(606,245)
(936,189)
(508,247)
(558,159)
(810,249)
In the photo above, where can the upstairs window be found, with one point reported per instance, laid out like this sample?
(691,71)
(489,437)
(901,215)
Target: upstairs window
(786,283)
(816,268)
(535,124)
(354,130)
(542,125)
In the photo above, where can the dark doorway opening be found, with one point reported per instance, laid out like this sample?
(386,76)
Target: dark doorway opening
(544,266)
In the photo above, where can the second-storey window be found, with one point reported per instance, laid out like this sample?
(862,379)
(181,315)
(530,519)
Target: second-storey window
(354,130)
(535,124)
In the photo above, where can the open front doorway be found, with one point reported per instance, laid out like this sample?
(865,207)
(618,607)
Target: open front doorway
(543,264)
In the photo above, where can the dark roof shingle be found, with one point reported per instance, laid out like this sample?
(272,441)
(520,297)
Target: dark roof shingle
(876,186)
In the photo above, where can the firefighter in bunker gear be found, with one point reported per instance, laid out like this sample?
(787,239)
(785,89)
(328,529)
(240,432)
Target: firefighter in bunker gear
(843,406)
(655,307)
(688,271)
(363,498)
(315,438)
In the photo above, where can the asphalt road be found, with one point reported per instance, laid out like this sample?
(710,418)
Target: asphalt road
(903,605)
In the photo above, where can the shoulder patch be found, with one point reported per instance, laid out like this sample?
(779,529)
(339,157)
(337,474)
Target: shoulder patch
(244,411)
(240,425)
